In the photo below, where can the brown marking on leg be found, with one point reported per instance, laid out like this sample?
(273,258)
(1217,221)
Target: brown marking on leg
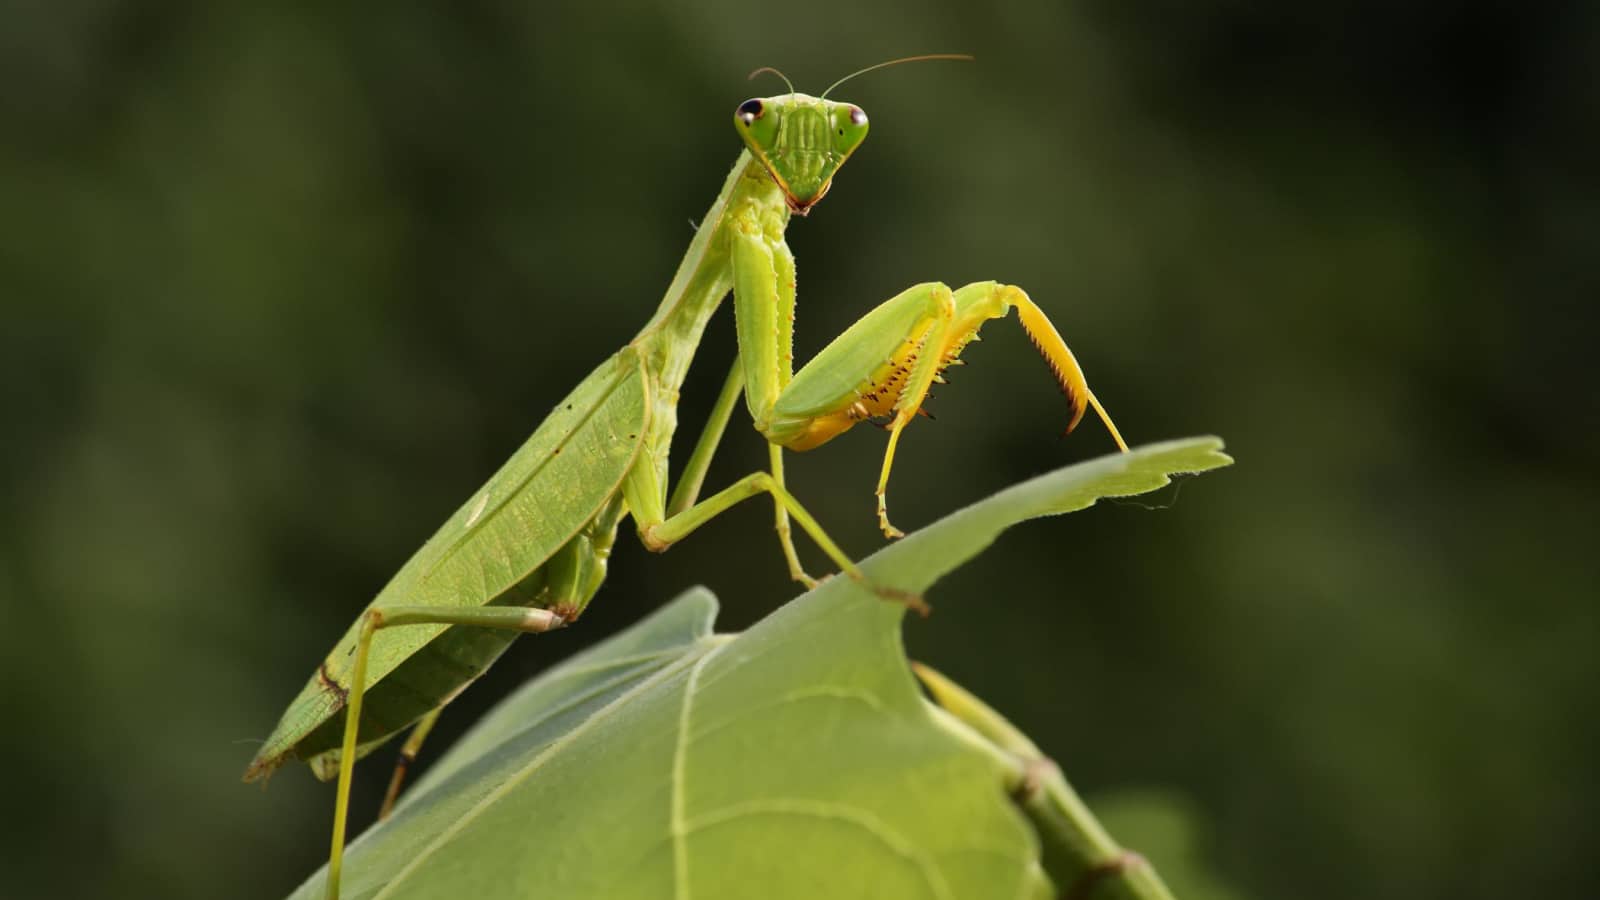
(1034,773)
(331,685)
(402,765)
(1111,868)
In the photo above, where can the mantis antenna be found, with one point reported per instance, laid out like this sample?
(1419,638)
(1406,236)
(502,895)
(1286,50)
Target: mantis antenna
(763,69)
(964,57)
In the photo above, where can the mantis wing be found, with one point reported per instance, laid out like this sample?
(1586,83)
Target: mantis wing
(492,551)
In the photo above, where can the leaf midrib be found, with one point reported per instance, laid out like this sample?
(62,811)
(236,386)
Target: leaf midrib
(692,655)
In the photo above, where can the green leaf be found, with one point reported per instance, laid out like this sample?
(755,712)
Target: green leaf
(795,760)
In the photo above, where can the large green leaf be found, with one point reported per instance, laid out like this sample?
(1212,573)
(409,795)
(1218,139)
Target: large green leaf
(797,759)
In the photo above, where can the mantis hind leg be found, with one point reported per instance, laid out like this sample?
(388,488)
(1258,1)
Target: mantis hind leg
(515,618)
(408,756)
(574,575)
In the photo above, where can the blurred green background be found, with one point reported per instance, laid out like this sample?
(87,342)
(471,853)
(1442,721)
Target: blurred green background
(283,283)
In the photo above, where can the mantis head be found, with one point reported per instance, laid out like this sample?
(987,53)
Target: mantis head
(801,140)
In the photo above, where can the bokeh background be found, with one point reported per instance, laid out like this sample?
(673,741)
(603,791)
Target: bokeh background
(283,282)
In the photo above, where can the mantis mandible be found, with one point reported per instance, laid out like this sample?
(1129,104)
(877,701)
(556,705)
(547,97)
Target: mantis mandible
(528,551)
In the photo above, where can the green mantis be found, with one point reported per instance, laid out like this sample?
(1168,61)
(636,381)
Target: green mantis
(528,551)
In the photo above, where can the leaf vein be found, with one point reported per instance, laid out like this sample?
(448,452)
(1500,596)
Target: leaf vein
(820,692)
(680,764)
(886,835)
(537,762)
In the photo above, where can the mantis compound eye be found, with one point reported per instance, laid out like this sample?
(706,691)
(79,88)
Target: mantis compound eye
(849,127)
(756,127)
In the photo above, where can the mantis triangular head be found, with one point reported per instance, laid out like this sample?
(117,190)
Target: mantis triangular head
(801,140)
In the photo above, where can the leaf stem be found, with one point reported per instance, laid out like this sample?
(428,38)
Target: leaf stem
(1081,857)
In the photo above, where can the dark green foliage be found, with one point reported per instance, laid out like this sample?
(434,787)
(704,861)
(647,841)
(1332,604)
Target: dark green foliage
(283,283)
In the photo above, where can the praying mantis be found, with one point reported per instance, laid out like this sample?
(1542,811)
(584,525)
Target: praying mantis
(527,552)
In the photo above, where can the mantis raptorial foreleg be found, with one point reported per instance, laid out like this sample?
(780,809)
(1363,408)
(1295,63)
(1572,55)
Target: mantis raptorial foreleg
(880,367)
